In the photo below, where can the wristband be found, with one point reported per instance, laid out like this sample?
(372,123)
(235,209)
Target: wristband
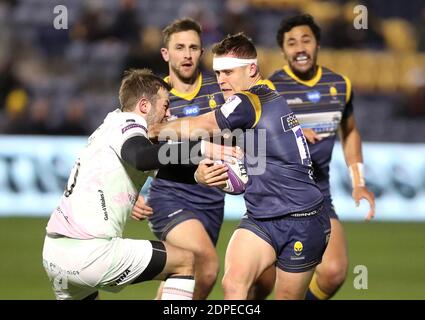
(357,175)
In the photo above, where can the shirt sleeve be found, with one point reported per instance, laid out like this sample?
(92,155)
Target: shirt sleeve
(127,128)
(140,153)
(237,112)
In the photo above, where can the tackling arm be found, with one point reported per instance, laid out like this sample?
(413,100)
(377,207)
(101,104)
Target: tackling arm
(188,128)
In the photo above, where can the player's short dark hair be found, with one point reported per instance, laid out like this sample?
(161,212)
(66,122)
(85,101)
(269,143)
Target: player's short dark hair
(238,44)
(286,25)
(180,25)
(138,83)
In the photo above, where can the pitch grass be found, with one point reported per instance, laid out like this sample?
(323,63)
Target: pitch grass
(394,254)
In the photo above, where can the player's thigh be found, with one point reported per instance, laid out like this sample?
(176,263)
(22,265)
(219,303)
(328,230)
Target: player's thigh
(247,256)
(191,235)
(65,261)
(336,252)
(291,285)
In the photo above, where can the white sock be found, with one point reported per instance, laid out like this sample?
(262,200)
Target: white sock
(178,288)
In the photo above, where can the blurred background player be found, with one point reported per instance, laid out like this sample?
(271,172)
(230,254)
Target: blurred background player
(187,215)
(323,103)
(284,224)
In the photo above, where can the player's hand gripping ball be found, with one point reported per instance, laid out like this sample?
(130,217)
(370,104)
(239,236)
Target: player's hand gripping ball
(237,176)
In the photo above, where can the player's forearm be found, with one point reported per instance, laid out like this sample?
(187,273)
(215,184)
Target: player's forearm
(192,128)
(352,147)
(144,156)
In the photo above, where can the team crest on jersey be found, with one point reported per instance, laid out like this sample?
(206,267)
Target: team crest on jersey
(191,111)
(332,91)
(212,102)
(289,122)
(314,96)
(298,248)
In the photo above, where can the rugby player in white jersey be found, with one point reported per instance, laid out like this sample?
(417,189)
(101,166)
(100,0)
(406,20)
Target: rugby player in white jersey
(83,249)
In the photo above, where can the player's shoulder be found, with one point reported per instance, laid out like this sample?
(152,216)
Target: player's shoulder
(262,89)
(209,84)
(279,75)
(208,78)
(129,121)
(329,73)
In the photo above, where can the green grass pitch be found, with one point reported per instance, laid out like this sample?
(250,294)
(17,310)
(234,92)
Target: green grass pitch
(394,254)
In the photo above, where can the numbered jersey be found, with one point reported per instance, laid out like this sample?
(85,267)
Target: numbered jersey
(319,104)
(277,156)
(102,188)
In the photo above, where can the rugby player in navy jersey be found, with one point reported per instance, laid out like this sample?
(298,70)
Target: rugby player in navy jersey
(187,215)
(284,224)
(322,100)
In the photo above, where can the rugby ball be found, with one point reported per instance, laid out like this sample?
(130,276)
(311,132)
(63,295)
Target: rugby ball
(237,177)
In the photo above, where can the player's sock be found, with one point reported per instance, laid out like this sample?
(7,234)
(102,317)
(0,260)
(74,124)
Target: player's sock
(314,292)
(178,288)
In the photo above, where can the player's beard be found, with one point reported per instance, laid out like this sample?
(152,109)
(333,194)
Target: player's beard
(153,117)
(186,78)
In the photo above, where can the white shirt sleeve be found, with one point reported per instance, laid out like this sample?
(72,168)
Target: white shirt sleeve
(128,126)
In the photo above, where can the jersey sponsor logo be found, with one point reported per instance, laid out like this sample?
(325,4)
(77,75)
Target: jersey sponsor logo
(59,210)
(230,105)
(133,126)
(324,123)
(103,205)
(298,248)
(172,117)
(314,96)
(296,100)
(191,111)
(289,122)
(130,120)
(121,278)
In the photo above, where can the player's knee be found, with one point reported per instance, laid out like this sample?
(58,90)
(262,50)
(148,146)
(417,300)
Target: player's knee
(335,273)
(234,280)
(207,278)
(207,264)
(186,265)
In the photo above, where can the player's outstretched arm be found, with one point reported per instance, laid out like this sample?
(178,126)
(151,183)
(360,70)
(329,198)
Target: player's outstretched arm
(351,144)
(140,153)
(187,128)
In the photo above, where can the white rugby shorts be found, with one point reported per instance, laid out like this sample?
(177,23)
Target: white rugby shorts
(78,268)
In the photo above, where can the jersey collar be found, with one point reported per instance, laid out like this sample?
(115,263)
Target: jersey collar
(187,96)
(265,82)
(310,83)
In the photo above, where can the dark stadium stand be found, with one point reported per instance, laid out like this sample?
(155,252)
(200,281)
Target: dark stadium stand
(85,61)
